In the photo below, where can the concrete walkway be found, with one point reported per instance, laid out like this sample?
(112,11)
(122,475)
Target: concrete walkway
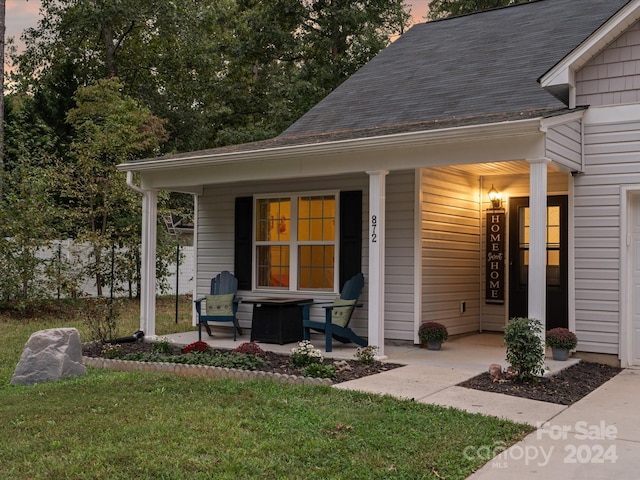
(595,438)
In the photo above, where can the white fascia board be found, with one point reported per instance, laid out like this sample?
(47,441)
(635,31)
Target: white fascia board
(562,72)
(421,138)
(508,147)
(608,114)
(547,123)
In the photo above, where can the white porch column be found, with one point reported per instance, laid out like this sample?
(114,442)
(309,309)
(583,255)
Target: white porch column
(148,270)
(538,241)
(377,201)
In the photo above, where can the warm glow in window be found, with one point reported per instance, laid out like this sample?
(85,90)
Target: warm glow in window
(316,237)
(296,242)
(553,244)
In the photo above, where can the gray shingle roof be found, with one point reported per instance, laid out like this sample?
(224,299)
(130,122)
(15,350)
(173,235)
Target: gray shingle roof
(477,65)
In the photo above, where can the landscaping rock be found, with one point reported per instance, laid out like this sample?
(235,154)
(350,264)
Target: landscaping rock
(495,370)
(50,355)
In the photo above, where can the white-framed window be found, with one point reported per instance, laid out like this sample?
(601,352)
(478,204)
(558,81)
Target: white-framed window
(296,241)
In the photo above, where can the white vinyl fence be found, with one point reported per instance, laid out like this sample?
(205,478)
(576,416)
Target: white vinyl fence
(78,253)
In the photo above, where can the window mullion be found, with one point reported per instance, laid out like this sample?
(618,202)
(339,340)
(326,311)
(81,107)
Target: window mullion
(293,247)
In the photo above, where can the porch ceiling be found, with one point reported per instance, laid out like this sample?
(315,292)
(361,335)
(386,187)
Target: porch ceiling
(499,168)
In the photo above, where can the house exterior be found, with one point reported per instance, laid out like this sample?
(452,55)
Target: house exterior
(390,175)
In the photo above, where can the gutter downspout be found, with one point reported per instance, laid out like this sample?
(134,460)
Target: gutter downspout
(148,264)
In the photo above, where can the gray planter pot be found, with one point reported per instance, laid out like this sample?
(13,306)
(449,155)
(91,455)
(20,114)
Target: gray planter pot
(434,345)
(561,354)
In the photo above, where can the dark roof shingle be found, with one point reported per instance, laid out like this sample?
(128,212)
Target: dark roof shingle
(471,66)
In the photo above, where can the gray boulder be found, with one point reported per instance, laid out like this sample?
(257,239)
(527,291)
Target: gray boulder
(50,355)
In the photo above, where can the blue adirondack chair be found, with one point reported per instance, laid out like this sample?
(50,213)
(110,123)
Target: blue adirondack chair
(337,316)
(221,305)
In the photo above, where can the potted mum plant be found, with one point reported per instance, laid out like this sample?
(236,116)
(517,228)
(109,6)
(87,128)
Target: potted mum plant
(432,334)
(561,341)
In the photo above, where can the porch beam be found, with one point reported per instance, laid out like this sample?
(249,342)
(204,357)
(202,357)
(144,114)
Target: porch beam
(537,296)
(377,205)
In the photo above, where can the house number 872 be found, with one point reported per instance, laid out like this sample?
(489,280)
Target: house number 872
(374,225)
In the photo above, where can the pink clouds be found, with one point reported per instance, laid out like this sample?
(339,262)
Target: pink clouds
(418,10)
(21,14)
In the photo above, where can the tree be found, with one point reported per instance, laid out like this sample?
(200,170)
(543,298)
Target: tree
(28,213)
(2,34)
(340,36)
(439,9)
(109,128)
(221,72)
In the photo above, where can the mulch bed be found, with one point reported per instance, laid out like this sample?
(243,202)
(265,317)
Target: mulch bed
(277,363)
(565,388)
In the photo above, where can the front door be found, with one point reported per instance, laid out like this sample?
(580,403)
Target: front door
(557,311)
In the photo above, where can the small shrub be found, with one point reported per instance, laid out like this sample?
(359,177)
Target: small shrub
(162,346)
(251,348)
(561,338)
(226,360)
(525,351)
(305,354)
(100,316)
(433,332)
(319,370)
(245,361)
(197,347)
(366,355)
(111,350)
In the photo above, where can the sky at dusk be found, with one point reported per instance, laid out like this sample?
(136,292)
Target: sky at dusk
(20,14)
(23,14)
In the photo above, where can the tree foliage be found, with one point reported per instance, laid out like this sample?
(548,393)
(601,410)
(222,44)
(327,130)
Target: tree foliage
(439,9)
(27,213)
(101,82)
(220,72)
(109,128)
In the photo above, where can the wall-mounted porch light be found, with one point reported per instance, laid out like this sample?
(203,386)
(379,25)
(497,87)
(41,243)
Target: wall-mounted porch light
(495,198)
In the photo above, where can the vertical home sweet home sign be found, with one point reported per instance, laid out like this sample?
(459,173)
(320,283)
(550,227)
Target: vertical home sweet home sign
(495,256)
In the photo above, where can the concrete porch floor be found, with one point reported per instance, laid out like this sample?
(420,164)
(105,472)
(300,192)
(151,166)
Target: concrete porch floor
(471,353)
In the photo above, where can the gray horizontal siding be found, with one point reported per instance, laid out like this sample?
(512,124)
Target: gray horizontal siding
(609,163)
(215,244)
(564,145)
(450,241)
(400,264)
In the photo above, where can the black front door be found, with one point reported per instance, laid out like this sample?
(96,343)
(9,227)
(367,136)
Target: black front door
(557,265)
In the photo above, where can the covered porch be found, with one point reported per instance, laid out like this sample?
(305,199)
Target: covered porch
(393,172)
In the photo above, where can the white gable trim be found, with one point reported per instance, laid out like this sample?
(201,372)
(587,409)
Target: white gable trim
(563,73)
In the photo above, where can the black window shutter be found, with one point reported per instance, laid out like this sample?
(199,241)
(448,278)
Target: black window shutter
(350,235)
(243,242)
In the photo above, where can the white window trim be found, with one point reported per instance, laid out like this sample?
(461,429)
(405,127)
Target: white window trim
(294,243)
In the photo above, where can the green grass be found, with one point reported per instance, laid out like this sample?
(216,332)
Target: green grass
(117,425)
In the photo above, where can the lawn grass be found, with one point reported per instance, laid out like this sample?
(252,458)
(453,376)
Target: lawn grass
(17,327)
(122,425)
